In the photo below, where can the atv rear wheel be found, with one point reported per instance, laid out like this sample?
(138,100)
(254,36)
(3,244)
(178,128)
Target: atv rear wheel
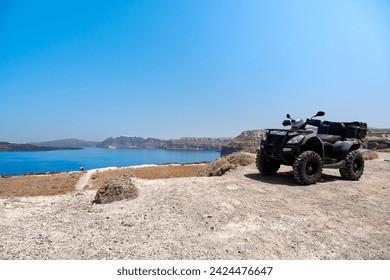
(307,168)
(354,167)
(265,165)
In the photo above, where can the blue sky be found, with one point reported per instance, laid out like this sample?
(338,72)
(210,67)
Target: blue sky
(173,68)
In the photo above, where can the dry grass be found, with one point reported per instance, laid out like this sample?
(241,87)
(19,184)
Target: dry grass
(370,155)
(37,185)
(385,150)
(147,172)
(54,184)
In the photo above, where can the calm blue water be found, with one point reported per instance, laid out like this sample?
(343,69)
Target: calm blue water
(71,160)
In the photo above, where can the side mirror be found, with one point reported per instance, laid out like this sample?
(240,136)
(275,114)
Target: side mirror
(286,122)
(320,114)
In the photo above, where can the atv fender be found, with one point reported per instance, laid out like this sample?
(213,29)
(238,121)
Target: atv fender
(313,143)
(342,148)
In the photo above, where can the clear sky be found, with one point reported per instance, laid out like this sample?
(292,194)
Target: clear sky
(173,68)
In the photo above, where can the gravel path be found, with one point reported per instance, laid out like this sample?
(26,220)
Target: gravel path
(85,179)
(242,215)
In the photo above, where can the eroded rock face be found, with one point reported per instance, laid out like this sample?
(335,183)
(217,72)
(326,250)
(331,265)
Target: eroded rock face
(116,189)
(376,143)
(248,141)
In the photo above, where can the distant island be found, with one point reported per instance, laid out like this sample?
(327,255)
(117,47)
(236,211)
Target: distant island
(5,146)
(71,142)
(135,142)
(124,142)
(184,143)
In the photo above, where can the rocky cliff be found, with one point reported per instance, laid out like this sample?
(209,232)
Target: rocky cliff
(247,141)
(196,143)
(378,143)
(378,138)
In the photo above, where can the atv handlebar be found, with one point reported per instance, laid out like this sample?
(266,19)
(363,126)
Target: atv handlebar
(313,122)
(300,124)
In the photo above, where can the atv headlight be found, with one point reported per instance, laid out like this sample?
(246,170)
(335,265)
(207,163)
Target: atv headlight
(264,137)
(295,140)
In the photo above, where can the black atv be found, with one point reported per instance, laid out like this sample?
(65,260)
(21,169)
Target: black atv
(308,151)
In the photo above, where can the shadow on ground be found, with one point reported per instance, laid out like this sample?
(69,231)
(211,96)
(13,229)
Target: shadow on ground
(287,178)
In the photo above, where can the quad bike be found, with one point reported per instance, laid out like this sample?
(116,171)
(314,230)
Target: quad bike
(333,145)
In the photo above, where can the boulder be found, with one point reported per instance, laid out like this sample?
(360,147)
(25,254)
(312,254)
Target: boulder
(224,164)
(116,189)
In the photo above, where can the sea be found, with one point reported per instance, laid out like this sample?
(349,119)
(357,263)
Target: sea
(90,158)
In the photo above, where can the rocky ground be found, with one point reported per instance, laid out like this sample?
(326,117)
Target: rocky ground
(241,215)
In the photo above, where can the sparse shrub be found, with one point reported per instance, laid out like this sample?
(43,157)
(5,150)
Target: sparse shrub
(370,155)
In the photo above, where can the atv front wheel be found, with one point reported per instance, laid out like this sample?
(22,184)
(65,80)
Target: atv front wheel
(354,167)
(307,168)
(265,165)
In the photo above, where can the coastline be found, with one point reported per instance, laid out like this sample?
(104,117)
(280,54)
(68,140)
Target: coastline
(20,163)
(59,183)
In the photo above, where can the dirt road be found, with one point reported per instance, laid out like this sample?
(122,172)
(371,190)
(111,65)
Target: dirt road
(241,215)
(86,177)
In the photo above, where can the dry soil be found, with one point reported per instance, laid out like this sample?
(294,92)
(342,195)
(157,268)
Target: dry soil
(241,215)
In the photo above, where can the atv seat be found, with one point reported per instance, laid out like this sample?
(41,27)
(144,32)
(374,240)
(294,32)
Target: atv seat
(329,138)
(332,133)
